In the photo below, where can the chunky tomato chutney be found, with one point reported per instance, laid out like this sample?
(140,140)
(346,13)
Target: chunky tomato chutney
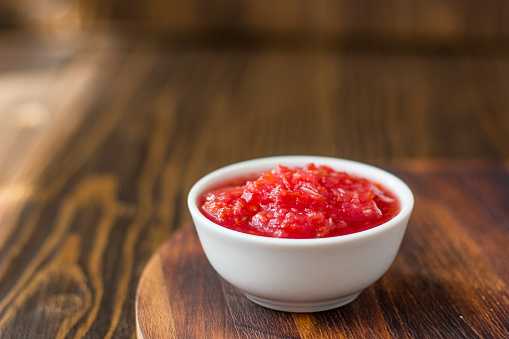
(302,202)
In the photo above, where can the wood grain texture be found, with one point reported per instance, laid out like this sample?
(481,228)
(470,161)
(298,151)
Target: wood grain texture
(91,194)
(449,280)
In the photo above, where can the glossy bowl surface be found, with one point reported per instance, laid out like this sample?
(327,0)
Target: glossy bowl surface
(301,275)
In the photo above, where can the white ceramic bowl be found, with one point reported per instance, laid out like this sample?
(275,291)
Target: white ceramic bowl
(301,275)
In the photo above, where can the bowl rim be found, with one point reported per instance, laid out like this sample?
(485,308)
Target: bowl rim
(395,184)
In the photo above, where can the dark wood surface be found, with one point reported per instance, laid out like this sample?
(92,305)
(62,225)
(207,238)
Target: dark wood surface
(103,134)
(432,25)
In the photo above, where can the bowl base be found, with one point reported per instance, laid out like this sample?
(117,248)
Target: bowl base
(303,307)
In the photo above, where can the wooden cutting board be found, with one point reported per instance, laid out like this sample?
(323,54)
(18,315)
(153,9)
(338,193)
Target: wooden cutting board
(447,280)
(181,296)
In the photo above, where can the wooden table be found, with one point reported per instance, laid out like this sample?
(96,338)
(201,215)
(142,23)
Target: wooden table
(102,136)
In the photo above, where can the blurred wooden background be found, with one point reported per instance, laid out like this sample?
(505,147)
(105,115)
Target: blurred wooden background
(467,25)
(461,46)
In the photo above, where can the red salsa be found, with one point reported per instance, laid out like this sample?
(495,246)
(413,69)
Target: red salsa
(302,202)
